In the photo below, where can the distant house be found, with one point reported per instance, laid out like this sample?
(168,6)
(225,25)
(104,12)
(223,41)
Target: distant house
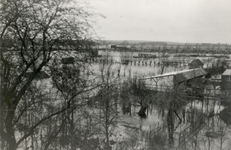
(196,63)
(226,81)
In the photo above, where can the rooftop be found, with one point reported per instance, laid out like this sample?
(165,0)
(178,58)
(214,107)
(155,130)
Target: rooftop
(193,73)
(227,72)
(196,62)
(181,75)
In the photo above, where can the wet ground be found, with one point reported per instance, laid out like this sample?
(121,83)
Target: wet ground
(199,125)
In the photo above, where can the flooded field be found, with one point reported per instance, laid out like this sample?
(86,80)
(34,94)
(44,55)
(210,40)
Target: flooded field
(197,125)
(199,128)
(159,120)
(146,66)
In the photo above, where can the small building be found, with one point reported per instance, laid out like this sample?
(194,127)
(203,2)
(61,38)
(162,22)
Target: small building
(226,81)
(196,63)
(170,80)
(188,75)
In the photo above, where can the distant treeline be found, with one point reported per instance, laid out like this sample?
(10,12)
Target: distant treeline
(172,51)
(202,55)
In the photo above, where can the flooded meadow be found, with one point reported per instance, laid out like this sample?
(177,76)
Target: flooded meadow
(198,124)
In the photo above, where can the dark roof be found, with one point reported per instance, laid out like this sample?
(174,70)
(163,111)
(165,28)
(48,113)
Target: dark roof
(227,72)
(196,62)
(190,74)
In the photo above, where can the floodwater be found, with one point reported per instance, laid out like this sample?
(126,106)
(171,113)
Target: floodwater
(198,124)
(152,66)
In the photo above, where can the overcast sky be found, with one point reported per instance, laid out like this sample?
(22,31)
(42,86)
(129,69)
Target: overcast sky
(201,21)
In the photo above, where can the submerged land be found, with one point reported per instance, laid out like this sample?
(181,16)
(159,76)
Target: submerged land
(131,95)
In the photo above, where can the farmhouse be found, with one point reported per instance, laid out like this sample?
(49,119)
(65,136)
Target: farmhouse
(196,63)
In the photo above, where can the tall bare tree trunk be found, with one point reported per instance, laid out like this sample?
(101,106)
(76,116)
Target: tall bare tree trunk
(12,145)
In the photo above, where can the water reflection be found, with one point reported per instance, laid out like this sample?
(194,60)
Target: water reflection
(202,126)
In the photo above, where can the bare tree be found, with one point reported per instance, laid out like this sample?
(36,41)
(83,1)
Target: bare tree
(74,84)
(108,100)
(142,95)
(31,33)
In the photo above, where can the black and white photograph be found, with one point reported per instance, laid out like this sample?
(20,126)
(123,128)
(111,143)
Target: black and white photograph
(115,75)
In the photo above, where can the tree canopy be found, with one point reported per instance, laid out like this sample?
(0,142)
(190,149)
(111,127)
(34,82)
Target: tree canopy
(32,32)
